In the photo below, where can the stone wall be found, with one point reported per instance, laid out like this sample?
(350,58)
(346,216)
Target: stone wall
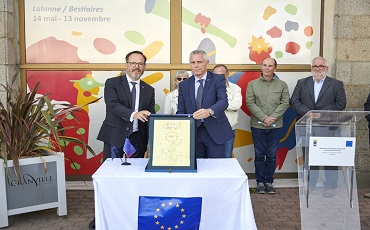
(352,39)
(9,49)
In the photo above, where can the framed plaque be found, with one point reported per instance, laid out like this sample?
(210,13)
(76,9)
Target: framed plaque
(171,143)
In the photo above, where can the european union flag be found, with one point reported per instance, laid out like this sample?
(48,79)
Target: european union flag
(114,151)
(169,213)
(128,148)
(349,143)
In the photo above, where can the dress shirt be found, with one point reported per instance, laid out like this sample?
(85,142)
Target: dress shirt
(135,121)
(317,87)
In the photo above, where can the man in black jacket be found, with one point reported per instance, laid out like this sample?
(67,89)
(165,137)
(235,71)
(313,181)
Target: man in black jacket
(367,108)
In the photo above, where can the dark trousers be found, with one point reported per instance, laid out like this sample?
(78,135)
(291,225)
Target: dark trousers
(266,142)
(205,146)
(331,174)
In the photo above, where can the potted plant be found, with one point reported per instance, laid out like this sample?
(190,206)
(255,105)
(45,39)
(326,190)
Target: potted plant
(32,174)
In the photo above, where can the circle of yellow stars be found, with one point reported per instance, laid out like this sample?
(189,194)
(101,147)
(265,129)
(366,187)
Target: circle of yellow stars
(181,222)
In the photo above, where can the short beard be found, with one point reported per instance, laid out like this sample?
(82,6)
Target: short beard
(134,76)
(319,76)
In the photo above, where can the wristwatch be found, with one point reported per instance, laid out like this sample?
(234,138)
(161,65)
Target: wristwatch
(211,112)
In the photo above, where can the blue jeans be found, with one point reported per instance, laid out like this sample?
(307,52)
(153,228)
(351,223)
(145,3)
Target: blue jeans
(266,142)
(228,147)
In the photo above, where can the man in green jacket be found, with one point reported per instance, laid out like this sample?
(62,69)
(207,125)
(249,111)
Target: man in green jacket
(267,100)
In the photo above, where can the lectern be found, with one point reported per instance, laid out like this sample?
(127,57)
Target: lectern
(326,145)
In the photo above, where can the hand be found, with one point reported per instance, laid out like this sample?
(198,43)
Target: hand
(142,115)
(269,121)
(314,115)
(201,114)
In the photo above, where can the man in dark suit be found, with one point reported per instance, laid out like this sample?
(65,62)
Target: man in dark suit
(320,92)
(367,108)
(128,103)
(204,96)
(122,119)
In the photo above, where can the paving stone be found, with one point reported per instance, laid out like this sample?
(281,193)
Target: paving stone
(272,212)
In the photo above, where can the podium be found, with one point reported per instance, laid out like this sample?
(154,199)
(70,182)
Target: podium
(325,145)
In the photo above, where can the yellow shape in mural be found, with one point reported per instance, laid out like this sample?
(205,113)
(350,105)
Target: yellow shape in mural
(87,90)
(242,138)
(76,33)
(268,12)
(259,44)
(153,78)
(152,49)
(166,91)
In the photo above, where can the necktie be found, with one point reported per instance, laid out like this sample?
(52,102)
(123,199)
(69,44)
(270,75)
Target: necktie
(199,94)
(199,99)
(133,95)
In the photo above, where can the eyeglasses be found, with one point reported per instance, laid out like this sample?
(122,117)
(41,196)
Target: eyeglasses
(133,64)
(181,78)
(319,66)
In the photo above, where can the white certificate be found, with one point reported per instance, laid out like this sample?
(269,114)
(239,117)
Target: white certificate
(332,151)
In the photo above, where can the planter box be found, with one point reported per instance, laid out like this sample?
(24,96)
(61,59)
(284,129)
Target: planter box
(39,191)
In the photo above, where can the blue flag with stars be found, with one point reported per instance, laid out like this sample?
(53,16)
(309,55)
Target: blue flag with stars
(128,148)
(169,213)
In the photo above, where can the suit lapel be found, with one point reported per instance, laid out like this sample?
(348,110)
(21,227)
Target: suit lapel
(207,84)
(324,87)
(192,92)
(311,88)
(142,94)
(126,88)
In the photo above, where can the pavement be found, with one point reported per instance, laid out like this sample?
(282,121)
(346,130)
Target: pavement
(272,212)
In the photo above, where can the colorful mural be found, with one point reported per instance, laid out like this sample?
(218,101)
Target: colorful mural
(239,32)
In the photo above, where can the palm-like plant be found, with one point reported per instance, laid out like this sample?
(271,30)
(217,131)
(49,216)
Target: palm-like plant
(31,125)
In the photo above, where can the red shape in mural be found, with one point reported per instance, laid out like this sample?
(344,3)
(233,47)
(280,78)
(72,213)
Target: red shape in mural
(104,46)
(274,32)
(280,157)
(292,47)
(258,57)
(243,84)
(203,21)
(60,87)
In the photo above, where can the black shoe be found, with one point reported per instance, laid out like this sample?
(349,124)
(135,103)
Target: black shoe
(92,224)
(261,188)
(269,188)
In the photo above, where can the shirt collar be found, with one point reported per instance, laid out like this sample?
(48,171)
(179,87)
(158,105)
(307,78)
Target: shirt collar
(204,77)
(129,80)
(321,81)
(273,77)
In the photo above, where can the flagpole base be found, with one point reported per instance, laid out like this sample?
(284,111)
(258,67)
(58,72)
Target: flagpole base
(126,163)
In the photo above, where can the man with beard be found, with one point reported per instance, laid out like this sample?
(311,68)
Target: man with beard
(320,92)
(129,101)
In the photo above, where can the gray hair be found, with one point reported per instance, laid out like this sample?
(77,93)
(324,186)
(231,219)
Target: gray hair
(180,73)
(205,56)
(320,58)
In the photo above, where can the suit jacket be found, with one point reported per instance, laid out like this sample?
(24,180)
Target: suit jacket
(331,97)
(367,108)
(214,97)
(117,126)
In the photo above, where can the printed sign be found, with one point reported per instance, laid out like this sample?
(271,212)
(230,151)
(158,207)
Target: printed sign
(332,151)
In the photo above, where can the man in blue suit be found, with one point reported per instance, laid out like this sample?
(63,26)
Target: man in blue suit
(204,96)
